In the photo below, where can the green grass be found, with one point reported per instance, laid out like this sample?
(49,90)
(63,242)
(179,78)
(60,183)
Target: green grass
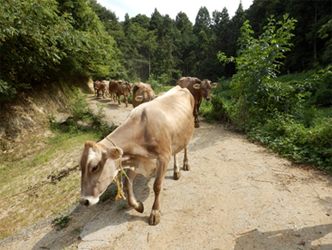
(35,192)
(27,191)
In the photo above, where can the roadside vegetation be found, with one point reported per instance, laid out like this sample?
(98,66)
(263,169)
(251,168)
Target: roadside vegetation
(291,114)
(45,182)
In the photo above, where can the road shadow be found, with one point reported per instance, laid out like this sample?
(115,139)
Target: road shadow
(109,103)
(208,135)
(287,239)
(110,214)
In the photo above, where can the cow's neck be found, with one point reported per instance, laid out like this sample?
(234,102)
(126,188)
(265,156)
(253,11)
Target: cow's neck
(110,140)
(113,141)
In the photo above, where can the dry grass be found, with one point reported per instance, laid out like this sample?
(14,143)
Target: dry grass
(41,180)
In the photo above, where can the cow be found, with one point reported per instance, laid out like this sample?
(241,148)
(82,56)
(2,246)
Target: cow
(143,144)
(142,92)
(99,86)
(198,89)
(122,88)
(106,84)
(112,88)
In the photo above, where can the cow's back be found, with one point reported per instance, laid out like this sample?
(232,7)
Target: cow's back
(112,86)
(171,114)
(164,123)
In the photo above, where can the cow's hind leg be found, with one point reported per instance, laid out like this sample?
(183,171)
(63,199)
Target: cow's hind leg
(185,160)
(126,100)
(161,171)
(130,193)
(177,173)
(119,99)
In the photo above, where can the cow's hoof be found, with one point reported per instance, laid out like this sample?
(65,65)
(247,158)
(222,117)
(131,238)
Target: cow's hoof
(186,167)
(176,175)
(154,218)
(140,208)
(196,125)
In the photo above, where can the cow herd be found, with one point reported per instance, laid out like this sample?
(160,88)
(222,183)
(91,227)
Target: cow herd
(115,89)
(142,92)
(158,127)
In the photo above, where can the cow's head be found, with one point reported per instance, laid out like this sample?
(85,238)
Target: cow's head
(99,166)
(205,86)
(96,84)
(143,93)
(127,87)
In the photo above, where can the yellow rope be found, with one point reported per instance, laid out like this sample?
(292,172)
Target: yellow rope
(120,194)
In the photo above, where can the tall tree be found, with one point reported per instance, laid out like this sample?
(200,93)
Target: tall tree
(184,43)
(156,20)
(203,21)
(115,30)
(221,30)
(140,45)
(164,60)
(308,46)
(311,15)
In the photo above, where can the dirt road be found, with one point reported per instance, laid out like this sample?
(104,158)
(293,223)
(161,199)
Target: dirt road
(236,196)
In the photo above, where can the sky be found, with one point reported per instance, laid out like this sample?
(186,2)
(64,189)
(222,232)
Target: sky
(170,7)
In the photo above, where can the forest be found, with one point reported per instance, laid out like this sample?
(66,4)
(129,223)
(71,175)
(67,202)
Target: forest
(272,61)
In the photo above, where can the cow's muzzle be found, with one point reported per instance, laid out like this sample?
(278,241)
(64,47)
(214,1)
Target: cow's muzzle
(88,201)
(84,202)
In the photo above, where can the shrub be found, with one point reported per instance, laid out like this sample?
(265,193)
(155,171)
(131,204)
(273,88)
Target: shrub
(290,138)
(61,221)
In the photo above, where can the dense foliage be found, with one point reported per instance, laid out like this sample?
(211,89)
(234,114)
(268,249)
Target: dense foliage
(281,114)
(42,41)
(257,63)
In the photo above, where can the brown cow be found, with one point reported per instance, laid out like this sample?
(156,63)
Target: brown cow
(142,92)
(198,89)
(106,84)
(112,88)
(144,143)
(99,86)
(122,88)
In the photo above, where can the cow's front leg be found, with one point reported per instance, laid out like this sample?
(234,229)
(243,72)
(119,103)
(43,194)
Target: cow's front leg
(185,160)
(196,116)
(130,193)
(126,99)
(161,171)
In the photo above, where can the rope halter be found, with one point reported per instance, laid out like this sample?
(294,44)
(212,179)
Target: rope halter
(120,194)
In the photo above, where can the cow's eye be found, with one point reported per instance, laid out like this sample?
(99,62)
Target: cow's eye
(94,169)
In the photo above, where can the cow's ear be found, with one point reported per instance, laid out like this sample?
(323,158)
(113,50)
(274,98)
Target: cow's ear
(214,85)
(197,86)
(90,144)
(114,153)
(139,98)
